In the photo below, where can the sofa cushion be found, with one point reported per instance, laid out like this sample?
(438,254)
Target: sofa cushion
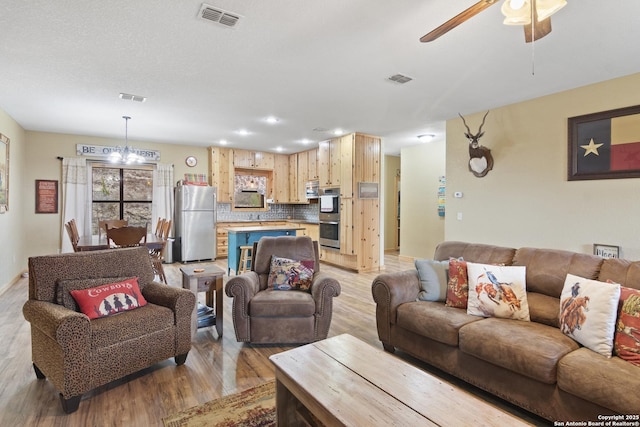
(475,252)
(433,320)
(110,298)
(548,268)
(527,348)
(434,277)
(497,291)
(458,284)
(109,330)
(588,310)
(622,271)
(288,274)
(543,308)
(64,288)
(626,341)
(611,383)
(271,303)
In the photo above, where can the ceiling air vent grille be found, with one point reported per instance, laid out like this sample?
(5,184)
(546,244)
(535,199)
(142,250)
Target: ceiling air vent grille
(129,97)
(218,16)
(400,78)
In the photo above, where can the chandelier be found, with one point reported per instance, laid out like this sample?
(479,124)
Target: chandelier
(126,155)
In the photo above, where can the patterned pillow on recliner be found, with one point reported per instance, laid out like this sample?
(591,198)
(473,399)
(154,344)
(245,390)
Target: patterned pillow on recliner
(288,274)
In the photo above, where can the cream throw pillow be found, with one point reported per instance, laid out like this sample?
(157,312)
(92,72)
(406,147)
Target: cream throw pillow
(588,311)
(497,291)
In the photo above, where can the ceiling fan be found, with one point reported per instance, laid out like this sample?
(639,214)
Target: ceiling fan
(533,15)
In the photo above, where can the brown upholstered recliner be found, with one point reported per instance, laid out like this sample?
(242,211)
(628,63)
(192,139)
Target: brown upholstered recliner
(78,354)
(262,315)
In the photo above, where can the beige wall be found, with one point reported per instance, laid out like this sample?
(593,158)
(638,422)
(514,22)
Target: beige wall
(421,229)
(526,199)
(44,231)
(391,168)
(12,222)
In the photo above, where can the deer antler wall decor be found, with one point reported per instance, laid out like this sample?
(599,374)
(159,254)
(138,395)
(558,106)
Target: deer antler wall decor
(480,158)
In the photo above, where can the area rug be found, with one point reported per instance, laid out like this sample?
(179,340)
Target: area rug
(254,407)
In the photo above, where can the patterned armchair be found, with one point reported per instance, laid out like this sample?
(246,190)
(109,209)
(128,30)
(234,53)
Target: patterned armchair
(78,354)
(264,315)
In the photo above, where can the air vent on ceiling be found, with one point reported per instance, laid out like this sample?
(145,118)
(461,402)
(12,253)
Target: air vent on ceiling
(218,16)
(400,78)
(129,97)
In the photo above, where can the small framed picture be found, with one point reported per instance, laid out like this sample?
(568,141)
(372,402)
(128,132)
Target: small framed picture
(606,251)
(368,190)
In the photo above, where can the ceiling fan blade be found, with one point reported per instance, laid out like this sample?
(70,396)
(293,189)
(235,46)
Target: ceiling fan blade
(540,29)
(457,20)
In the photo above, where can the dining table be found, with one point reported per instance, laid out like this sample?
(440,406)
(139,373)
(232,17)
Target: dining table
(97,242)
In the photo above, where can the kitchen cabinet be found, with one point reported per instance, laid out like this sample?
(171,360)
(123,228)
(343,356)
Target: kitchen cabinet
(222,236)
(308,229)
(281,188)
(298,177)
(253,159)
(221,172)
(329,163)
(312,164)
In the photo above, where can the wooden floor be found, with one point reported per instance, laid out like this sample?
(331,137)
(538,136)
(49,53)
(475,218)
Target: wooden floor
(215,367)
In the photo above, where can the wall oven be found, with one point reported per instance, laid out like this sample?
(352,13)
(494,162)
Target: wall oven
(329,217)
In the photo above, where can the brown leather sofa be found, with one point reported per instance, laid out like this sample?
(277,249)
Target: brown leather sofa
(264,316)
(78,354)
(531,364)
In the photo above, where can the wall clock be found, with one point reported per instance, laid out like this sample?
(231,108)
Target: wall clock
(191,161)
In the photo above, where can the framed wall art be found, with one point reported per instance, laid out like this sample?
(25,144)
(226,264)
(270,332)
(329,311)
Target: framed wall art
(46,196)
(605,145)
(4,173)
(606,251)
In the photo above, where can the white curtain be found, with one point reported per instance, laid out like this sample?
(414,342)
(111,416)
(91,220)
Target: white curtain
(76,198)
(162,206)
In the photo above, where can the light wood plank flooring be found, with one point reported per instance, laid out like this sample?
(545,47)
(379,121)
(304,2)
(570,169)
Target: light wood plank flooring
(215,366)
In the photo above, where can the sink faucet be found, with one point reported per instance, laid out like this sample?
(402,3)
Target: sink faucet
(258,216)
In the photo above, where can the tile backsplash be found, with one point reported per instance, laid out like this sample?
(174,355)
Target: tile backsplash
(275,212)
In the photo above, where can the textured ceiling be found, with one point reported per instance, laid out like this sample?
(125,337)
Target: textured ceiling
(313,64)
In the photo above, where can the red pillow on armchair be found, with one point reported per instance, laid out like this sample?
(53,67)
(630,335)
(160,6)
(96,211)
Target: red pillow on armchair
(109,299)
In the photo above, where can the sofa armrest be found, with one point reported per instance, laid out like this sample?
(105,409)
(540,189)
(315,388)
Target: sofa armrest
(242,288)
(57,322)
(182,302)
(323,288)
(389,291)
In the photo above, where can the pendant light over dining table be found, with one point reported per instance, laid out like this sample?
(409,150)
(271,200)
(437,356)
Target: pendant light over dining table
(126,155)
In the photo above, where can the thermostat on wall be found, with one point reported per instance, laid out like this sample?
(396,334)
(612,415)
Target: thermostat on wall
(457,194)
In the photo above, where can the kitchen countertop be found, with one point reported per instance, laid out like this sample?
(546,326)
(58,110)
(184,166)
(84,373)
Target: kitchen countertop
(297,221)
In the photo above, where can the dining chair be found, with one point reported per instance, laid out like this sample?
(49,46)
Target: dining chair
(72,236)
(127,236)
(111,223)
(157,254)
(159,227)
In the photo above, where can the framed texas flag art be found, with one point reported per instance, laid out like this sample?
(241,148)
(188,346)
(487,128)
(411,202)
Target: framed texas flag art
(605,145)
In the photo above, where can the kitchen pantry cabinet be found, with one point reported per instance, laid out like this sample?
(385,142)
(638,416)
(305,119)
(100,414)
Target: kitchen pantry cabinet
(253,159)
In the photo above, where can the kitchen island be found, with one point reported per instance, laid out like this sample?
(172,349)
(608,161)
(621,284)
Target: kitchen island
(241,236)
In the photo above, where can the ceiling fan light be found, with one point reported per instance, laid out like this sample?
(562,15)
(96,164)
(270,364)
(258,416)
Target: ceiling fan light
(519,16)
(546,8)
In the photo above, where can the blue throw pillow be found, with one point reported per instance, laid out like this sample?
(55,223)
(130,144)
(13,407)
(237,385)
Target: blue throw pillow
(434,276)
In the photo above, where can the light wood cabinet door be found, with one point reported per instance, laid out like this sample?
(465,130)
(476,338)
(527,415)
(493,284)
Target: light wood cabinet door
(221,172)
(312,163)
(346,166)
(253,159)
(329,163)
(281,193)
(302,177)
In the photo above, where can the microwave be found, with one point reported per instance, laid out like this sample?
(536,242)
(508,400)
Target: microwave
(312,189)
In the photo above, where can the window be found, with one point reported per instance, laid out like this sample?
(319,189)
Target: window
(121,193)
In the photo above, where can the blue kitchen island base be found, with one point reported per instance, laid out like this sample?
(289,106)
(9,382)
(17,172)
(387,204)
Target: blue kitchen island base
(241,236)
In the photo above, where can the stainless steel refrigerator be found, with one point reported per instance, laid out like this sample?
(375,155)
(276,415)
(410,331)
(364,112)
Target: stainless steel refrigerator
(195,223)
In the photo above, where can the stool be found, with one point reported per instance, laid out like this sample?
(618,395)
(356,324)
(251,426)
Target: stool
(245,259)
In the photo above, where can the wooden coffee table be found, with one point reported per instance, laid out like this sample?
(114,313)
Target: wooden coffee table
(342,381)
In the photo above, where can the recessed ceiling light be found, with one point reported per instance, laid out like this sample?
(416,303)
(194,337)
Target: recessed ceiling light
(305,141)
(243,132)
(272,120)
(279,149)
(223,142)
(338,131)
(426,137)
